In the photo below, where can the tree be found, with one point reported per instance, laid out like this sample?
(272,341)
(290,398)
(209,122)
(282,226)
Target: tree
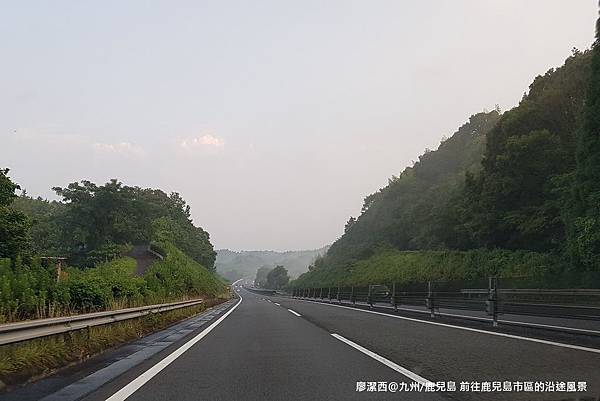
(349,224)
(261,276)
(97,216)
(14,225)
(516,201)
(277,278)
(45,223)
(584,241)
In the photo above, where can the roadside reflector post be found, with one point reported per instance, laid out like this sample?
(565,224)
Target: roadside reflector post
(370,297)
(492,301)
(393,299)
(329,293)
(321,293)
(352,298)
(429,301)
(338,295)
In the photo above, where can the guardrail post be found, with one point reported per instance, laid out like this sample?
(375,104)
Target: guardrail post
(329,294)
(429,302)
(492,301)
(352,298)
(338,295)
(394,297)
(370,298)
(321,293)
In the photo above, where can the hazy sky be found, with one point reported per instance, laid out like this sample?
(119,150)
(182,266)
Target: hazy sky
(273,119)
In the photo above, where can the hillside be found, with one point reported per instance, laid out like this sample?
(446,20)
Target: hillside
(501,181)
(233,265)
(402,214)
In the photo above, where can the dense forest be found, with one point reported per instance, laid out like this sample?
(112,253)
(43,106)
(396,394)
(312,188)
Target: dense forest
(508,193)
(95,227)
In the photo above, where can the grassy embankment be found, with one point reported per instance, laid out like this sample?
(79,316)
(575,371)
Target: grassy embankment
(390,265)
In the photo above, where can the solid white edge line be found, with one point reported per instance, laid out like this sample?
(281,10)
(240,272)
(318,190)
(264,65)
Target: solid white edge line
(295,313)
(486,319)
(142,379)
(411,375)
(492,333)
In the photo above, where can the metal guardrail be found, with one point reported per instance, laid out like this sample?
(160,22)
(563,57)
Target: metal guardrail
(21,331)
(583,304)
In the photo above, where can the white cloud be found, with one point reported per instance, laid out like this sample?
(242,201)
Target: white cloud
(202,141)
(121,147)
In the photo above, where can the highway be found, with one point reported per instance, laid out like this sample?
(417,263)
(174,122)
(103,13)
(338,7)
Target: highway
(277,348)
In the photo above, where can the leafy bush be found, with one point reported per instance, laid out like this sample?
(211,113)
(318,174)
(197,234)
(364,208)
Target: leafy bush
(31,291)
(87,295)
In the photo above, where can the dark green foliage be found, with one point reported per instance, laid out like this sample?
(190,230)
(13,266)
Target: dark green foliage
(584,241)
(261,276)
(277,278)
(516,200)
(14,226)
(95,217)
(45,223)
(388,265)
(412,211)
(194,241)
(88,295)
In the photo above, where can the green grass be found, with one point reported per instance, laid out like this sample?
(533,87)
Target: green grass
(390,265)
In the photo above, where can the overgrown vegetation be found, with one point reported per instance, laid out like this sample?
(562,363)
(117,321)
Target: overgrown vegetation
(389,265)
(32,292)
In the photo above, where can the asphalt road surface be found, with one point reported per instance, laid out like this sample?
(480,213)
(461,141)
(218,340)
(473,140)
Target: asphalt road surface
(276,348)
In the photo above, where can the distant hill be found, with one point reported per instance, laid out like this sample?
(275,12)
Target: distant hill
(234,265)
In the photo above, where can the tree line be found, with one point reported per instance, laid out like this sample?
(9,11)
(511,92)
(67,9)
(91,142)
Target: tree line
(93,222)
